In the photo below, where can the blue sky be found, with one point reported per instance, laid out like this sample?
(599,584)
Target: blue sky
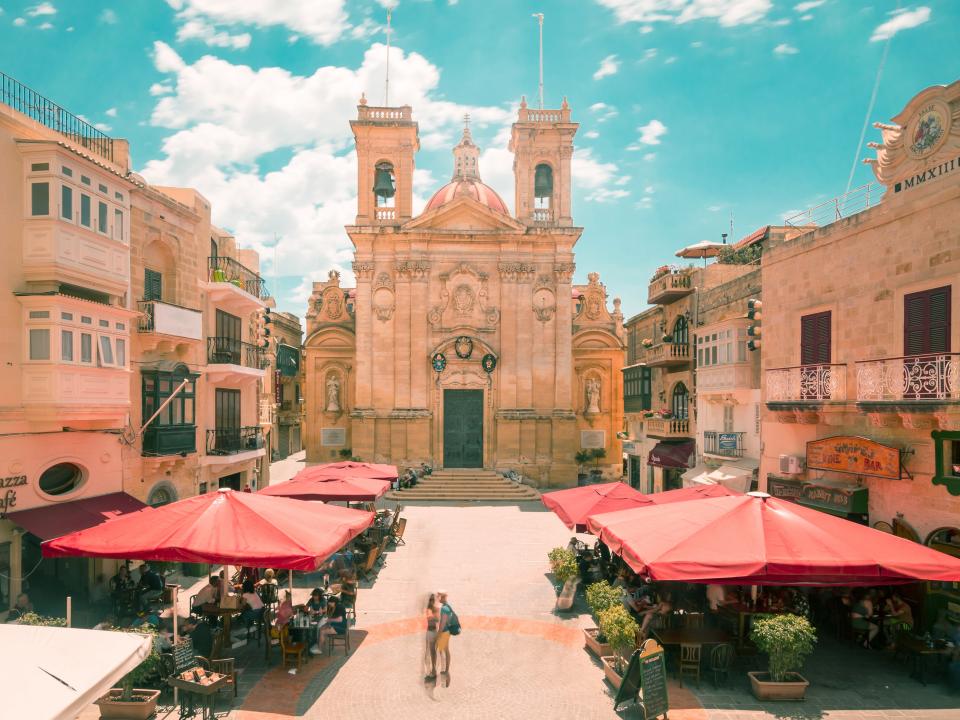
(690,110)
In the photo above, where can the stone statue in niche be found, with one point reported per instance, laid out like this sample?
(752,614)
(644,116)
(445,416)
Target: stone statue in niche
(333,394)
(593,396)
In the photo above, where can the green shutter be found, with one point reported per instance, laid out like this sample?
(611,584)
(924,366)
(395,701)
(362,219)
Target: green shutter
(152,285)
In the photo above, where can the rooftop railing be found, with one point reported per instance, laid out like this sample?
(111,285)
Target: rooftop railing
(46,112)
(851,203)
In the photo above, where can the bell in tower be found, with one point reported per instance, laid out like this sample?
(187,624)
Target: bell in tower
(383,185)
(543,185)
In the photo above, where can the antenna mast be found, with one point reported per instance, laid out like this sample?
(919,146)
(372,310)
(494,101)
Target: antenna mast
(386,98)
(539,17)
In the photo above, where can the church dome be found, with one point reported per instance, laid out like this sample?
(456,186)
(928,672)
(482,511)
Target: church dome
(466,180)
(466,187)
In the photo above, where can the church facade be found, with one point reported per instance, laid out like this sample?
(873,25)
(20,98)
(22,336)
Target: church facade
(465,343)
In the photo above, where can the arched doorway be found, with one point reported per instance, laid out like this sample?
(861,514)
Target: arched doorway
(681,331)
(680,402)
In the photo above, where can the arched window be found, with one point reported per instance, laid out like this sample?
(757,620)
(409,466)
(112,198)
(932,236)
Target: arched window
(162,494)
(384,184)
(542,186)
(681,331)
(680,402)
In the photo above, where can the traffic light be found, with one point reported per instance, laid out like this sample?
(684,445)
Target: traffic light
(263,329)
(754,330)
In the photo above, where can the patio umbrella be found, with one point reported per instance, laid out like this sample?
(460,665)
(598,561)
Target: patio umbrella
(328,488)
(759,540)
(702,249)
(225,527)
(573,505)
(351,469)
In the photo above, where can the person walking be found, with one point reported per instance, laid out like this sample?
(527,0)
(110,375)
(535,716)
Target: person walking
(449,625)
(432,614)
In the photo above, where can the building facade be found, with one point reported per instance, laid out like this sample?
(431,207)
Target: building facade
(283,399)
(860,340)
(465,343)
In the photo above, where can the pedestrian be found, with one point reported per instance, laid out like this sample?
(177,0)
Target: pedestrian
(449,625)
(432,614)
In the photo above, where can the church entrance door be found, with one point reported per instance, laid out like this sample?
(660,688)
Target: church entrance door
(463,428)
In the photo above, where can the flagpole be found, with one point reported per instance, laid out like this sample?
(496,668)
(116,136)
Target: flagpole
(539,17)
(386,100)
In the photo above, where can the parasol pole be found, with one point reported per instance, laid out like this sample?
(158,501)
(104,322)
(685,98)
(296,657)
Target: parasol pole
(69,611)
(176,635)
(291,584)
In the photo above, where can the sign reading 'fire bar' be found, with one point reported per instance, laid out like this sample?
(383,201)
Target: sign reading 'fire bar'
(854,455)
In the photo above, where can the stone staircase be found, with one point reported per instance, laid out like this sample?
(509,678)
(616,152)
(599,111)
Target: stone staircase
(465,484)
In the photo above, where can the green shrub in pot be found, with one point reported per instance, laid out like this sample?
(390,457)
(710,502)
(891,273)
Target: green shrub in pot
(787,640)
(620,630)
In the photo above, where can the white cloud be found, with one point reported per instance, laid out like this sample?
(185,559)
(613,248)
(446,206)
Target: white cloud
(901,20)
(696,44)
(109,17)
(651,133)
(208,34)
(715,208)
(19,22)
(111,112)
(646,200)
(598,178)
(365,29)
(649,54)
(809,5)
(785,49)
(45,26)
(608,66)
(806,17)
(649,156)
(224,117)
(44,8)
(781,22)
(670,60)
(323,21)
(603,111)
(726,12)
(646,29)
(103,127)
(591,134)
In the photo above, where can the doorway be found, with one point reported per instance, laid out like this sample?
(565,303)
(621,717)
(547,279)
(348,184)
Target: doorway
(231,481)
(463,428)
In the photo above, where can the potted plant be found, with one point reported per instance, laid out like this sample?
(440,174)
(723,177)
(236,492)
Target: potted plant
(647,342)
(600,596)
(582,457)
(346,453)
(667,338)
(597,454)
(129,701)
(620,629)
(787,640)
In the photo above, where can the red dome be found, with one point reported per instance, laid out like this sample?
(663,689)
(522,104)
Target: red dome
(470,188)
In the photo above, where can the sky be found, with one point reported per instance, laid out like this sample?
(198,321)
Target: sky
(694,115)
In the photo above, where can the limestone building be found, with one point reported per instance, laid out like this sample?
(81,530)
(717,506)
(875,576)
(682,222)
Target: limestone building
(465,343)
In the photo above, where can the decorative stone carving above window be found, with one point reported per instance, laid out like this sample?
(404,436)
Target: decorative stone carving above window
(516,271)
(544,299)
(384,300)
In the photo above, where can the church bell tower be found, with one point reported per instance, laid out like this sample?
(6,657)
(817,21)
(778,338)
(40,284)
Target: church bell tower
(386,140)
(542,146)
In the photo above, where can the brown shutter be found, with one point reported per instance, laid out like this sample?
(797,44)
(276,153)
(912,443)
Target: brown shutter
(926,322)
(815,339)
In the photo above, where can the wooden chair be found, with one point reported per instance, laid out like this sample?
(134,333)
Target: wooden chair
(693,621)
(289,648)
(336,639)
(381,556)
(350,613)
(721,658)
(690,661)
(368,566)
(396,534)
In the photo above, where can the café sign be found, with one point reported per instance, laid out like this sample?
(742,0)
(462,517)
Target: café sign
(8,496)
(854,455)
(851,500)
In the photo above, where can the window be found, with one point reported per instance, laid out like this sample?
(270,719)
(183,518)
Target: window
(680,401)
(815,339)
(121,352)
(947,452)
(66,345)
(39,314)
(105,351)
(118,224)
(39,344)
(39,198)
(158,386)
(66,203)
(104,323)
(728,418)
(722,347)
(102,217)
(61,479)
(636,389)
(152,285)
(103,189)
(85,210)
(118,196)
(160,496)
(86,348)
(66,316)
(36,167)
(681,331)
(86,320)
(67,171)
(926,322)
(84,179)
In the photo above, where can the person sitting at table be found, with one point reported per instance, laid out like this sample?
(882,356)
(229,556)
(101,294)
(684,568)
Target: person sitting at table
(252,604)
(150,587)
(861,614)
(120,587)
(285,611)
(316,604)
(209,595)
(336,622)
(348,589)
(654,616)
(201,635)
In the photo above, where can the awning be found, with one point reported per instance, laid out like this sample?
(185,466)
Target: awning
(288,360)
(732,477)
(53,521)
(672,455)
(691,475)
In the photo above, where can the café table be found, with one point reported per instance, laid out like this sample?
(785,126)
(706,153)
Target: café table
(226,614)
(305,624)
(921,655)
(693,636)
(740,612)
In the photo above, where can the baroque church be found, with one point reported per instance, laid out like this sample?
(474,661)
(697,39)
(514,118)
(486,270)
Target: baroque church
(465,343)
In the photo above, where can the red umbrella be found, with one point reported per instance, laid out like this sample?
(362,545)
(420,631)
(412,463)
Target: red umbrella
(328,488)
(761,540)
(351,469)
(573,505)
(225,527)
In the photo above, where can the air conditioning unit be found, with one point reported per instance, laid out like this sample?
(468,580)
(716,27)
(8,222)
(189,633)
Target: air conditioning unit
(790,465)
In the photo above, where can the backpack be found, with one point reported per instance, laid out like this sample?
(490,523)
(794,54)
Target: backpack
(453,624)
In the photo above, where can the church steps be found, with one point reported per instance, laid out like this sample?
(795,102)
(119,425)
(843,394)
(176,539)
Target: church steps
(466,484)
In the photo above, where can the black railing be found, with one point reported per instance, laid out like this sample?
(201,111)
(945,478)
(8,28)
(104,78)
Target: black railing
(145,324)
(231,351)
(46,112)
(233,440)
(228,270)
(723,444)
(161,440)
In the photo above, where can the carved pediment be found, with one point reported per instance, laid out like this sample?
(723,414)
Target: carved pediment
(464,300)
(464,214)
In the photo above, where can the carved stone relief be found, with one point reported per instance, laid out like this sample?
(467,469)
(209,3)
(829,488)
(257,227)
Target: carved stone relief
(384,302)
(467,301)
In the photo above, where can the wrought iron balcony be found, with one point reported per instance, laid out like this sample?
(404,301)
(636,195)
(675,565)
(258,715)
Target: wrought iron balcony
(233,440)
(669,287)
(46,112)
(667,428)
(723,444)
(807,384)
(228,270)
(231,351)
(159,440)
(666,354)
(920,378)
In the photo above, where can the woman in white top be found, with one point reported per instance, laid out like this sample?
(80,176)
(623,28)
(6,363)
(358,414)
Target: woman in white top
(252,604)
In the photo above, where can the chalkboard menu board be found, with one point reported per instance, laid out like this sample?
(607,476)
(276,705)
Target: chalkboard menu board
(645,681)
(183,658)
